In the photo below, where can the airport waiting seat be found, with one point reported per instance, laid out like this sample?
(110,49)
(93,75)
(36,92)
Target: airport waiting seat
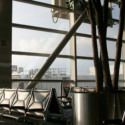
(6,99)
(20,101)
(33,107)
(115,121)
(29,107)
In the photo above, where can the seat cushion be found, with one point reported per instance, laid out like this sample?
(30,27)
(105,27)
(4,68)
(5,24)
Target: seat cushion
(35,113)
(19,110)
(8,116)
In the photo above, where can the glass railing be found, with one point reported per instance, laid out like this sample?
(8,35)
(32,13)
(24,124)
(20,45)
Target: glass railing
(42,84)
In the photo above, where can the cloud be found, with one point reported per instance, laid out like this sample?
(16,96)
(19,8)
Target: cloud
(42,45)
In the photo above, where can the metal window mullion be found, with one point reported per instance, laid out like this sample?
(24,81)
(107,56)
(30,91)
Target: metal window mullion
(38,54)
(90,36)
(38,28)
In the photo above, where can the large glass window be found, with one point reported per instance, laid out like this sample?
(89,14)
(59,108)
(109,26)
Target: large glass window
(33,41)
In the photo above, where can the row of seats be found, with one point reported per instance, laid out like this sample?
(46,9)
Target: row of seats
(24,106)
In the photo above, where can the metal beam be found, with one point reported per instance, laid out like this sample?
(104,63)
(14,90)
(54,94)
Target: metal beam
(56,52)
(38,28)
(90,36)
(73,50)
(39,54)
(123,52)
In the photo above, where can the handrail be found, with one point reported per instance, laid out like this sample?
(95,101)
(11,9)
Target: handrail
(41,80)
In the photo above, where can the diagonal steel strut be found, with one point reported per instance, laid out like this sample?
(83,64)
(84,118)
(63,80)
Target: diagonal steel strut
(56,52)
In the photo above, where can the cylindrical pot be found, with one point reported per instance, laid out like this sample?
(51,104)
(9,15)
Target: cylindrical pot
(92,108)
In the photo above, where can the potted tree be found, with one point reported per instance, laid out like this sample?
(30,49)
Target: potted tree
(102,104)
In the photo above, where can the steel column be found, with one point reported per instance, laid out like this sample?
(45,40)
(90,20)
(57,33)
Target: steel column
(5,42)
(123,52)
(73,61)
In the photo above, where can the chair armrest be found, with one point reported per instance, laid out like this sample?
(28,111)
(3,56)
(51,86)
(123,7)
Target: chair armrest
(112,121)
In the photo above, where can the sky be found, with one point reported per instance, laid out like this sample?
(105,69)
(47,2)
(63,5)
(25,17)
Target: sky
(44,42)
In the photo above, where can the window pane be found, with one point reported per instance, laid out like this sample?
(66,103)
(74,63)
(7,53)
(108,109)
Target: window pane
(85,70)
(123,51)
(87,85)
(113,31)
(37,16)
(111,65)
(28,62)
(115,11)
(84,28)
(84,46)
(62,68)
(121,76)
(37,41)
(111,46)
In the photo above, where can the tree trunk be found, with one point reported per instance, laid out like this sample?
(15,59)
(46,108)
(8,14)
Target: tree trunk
(101,24)
(94,44)
(101,74)
(119,46)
